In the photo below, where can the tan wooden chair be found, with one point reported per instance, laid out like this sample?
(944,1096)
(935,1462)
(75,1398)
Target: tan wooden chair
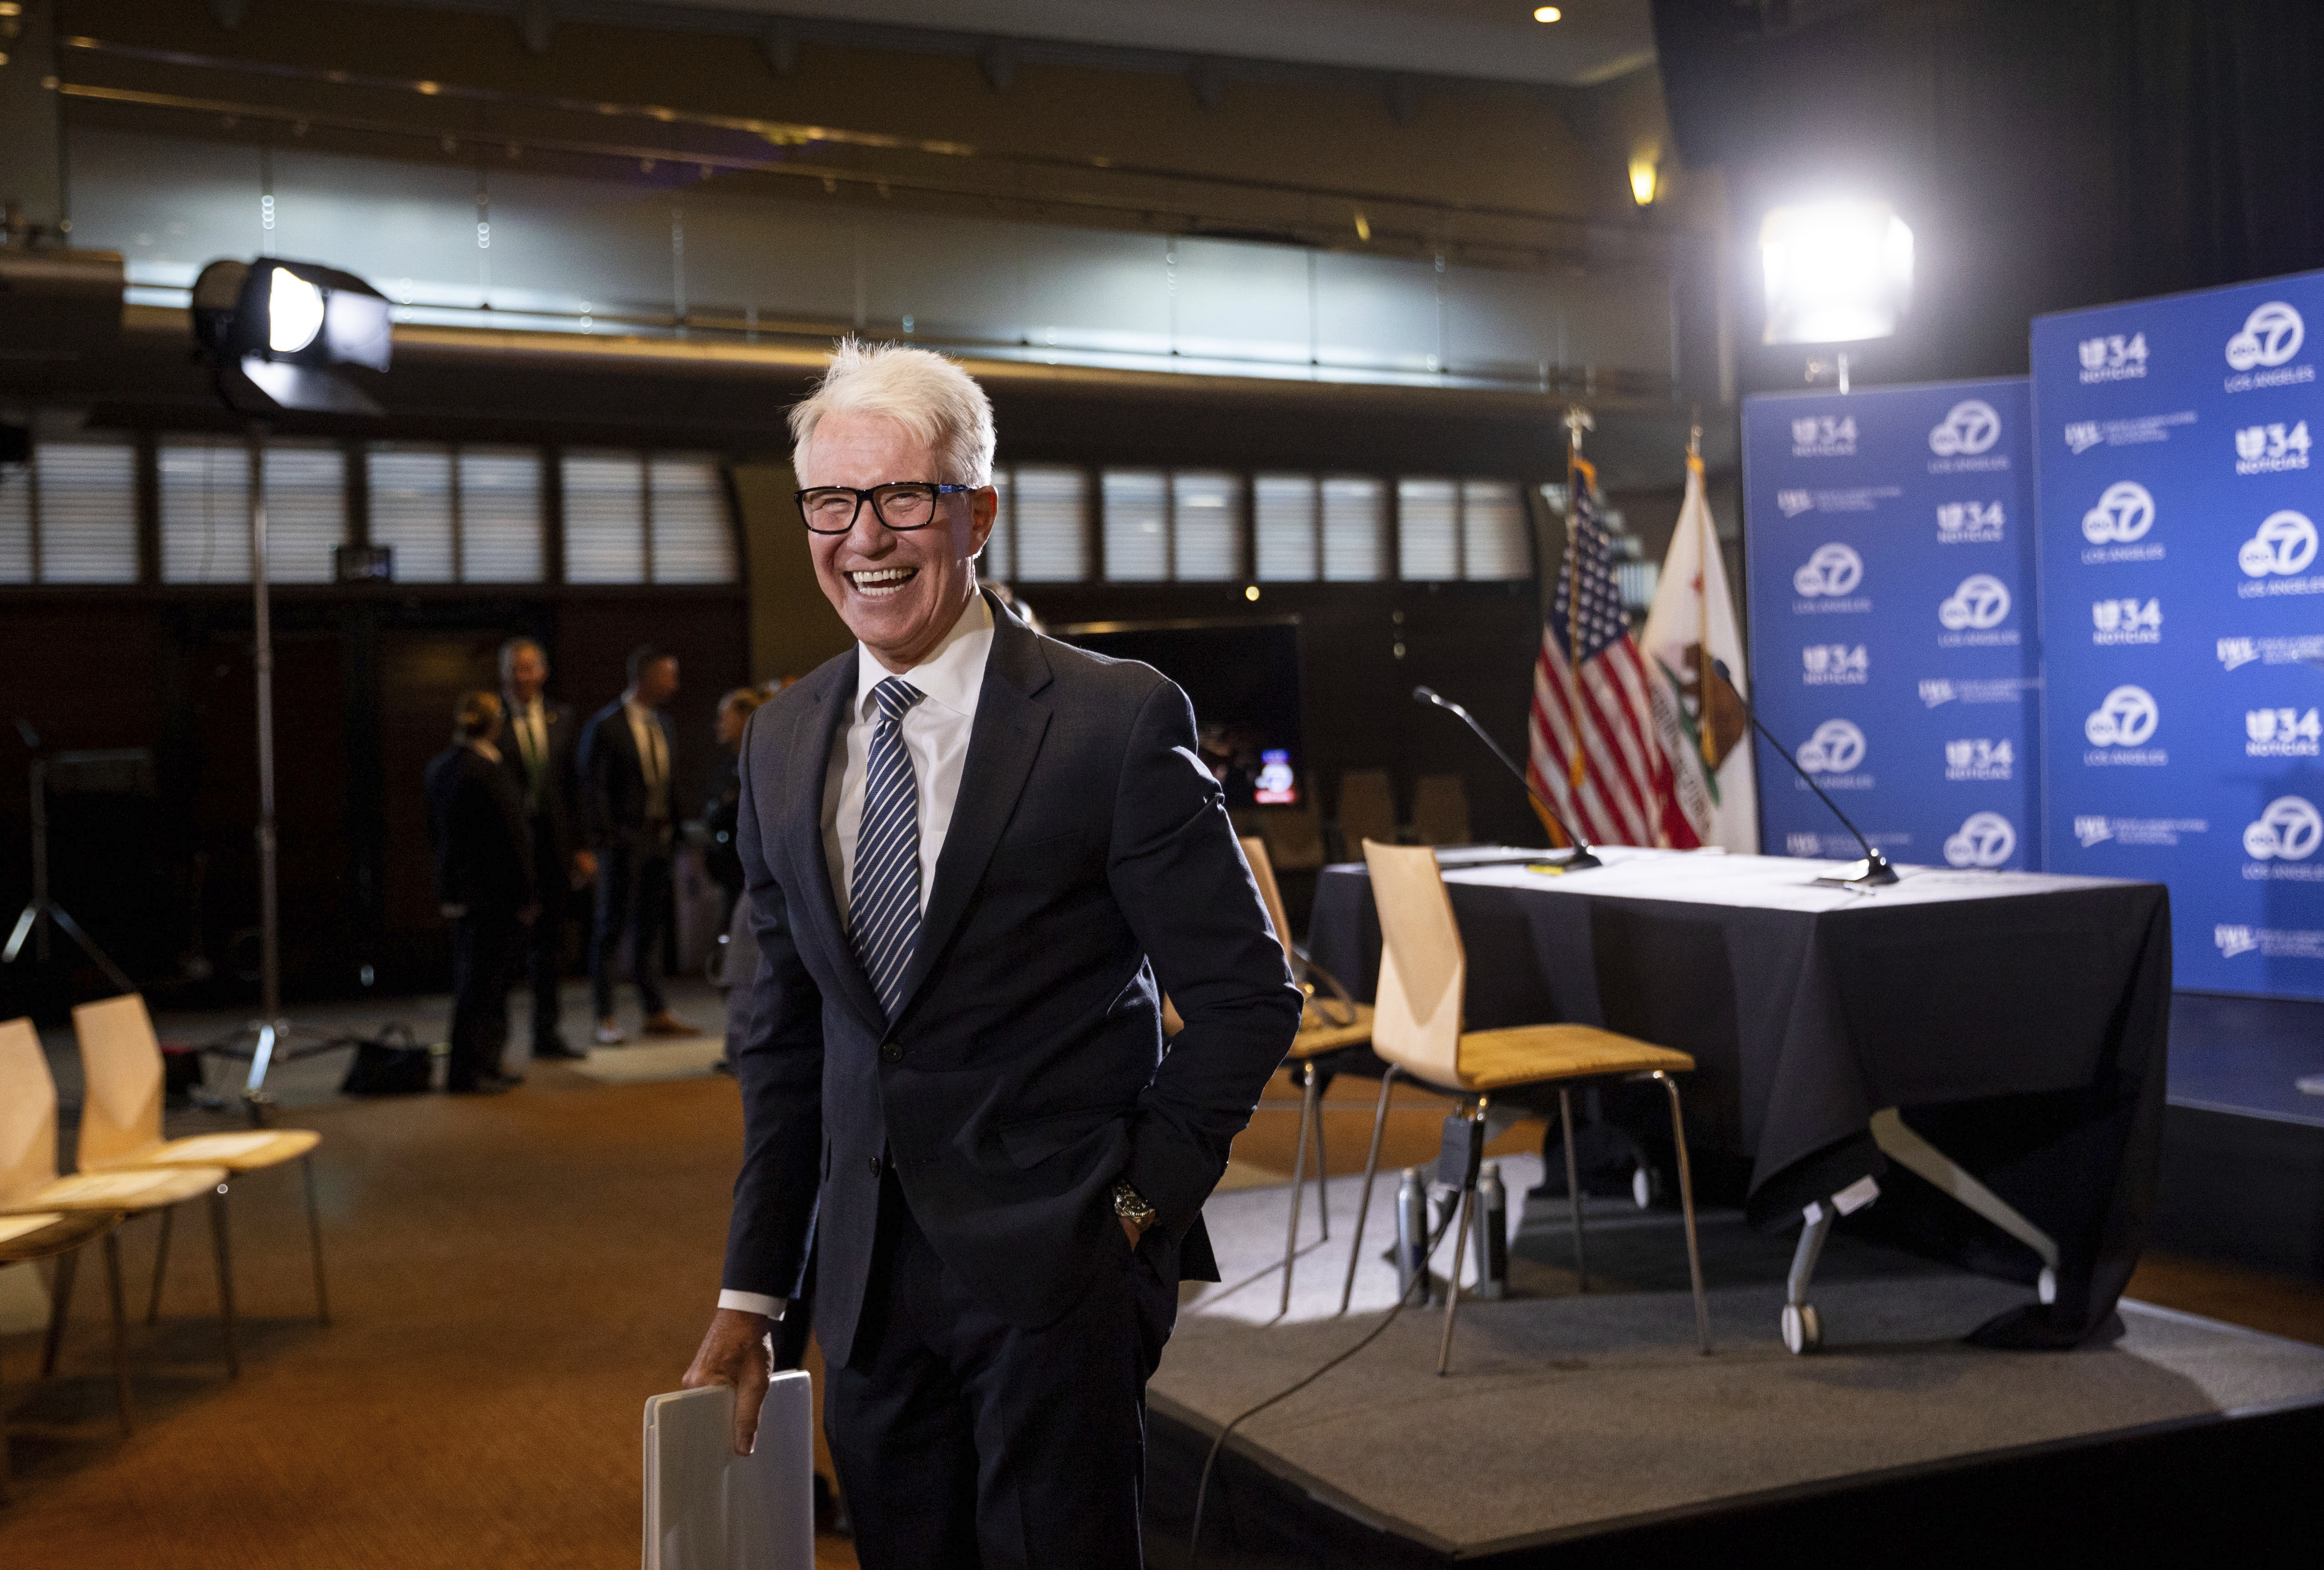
(1440,810)
(1366,809)
(121,1129)
(1294,835)
(1417,1026)
(61,1236)
(29,1183)
(1325,1027)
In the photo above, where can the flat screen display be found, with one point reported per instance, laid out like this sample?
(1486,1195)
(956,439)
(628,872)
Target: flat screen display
(1243,679)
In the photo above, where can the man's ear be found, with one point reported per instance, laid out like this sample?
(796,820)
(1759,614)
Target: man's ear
(983,509)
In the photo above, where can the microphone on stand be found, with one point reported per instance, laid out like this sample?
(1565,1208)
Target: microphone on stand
(1582,856)
(1873,869)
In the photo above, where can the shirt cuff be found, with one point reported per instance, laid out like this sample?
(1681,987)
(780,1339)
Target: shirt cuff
(751,1303)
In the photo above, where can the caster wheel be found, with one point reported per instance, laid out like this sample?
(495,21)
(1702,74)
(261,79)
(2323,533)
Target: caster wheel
(1642,1187)
(2046,1286)
(1803,1330)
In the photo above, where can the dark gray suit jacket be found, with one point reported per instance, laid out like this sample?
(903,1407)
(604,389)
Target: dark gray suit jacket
(1089,865)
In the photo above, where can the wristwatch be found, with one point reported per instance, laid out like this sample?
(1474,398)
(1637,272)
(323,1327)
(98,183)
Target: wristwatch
(1131,1207)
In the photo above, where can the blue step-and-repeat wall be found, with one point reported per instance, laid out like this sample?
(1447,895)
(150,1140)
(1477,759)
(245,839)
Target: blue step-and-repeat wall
(2183,616)
(1889,533)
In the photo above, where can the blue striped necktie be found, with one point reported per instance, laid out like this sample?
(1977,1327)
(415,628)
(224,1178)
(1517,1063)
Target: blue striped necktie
(883,898)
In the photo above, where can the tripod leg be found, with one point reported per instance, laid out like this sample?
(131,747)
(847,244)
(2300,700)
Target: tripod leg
(24,930)
(89,947)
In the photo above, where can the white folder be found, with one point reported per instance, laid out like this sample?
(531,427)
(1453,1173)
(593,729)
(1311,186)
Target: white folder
(709,1509)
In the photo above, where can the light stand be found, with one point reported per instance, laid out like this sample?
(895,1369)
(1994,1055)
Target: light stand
(42,909)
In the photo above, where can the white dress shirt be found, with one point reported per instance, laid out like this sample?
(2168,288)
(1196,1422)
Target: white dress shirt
(936,732)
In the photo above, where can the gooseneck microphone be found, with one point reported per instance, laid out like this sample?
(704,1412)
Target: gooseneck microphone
(1873,869)
(1582,856)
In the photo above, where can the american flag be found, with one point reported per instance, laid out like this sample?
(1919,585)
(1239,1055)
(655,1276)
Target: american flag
(1592,741)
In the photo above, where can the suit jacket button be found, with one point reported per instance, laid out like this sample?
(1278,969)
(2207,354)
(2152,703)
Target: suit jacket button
(875,1166)
(892,1052)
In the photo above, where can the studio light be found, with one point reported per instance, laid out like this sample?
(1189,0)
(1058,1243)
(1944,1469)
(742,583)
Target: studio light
(282,335)
(1837,271)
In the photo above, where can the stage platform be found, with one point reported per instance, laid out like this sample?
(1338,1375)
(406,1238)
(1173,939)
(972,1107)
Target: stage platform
(1578,1429)
(2243,1147)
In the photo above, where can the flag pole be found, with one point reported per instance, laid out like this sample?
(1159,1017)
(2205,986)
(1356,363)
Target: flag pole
(1578,472)
(1704,737)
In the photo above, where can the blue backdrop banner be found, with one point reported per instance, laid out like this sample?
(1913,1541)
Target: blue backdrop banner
(2182,616)
(1889,539)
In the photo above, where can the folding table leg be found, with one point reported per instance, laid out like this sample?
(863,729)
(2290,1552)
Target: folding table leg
(60,1303)
(1364,1203)
(1908,1150)
(1803,1330)
(222,1251)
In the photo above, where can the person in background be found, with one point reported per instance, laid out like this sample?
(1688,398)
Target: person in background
(484,886)
(626,793)
(724,866)
(537,748)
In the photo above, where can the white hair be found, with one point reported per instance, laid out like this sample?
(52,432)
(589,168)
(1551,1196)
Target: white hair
(926,393)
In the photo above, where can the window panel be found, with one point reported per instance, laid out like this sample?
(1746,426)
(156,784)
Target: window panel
(1427,531)
(205,512)
(1052,542)
(1207,526)
(1137,526)
(693,531)
(604,517)
(1496,536)
(306,512)
(500,515)
(411,510)
(1354,512)
(997,561)
(88,511)
(16,522)
(1284,528)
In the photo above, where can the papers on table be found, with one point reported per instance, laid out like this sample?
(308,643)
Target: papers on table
(709,1509)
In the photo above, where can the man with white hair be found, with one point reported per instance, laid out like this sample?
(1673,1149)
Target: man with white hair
(976,858)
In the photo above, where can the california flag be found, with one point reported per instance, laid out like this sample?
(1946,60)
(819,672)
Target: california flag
(1692,624)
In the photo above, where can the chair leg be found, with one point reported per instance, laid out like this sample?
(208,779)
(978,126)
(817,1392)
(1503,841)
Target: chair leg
(161,1267)
(1322,1081)
(1364,1202)
(1686,1204)
(1298,1186)
(315,1241)
(120,1331)
(1453,1282)
(1573,1190)
(222,1249)
(59,1304)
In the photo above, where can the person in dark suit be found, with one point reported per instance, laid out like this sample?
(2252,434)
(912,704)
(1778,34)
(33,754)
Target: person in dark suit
(537,747)
(484,885)
(720,858)
(627,798)
(975,859)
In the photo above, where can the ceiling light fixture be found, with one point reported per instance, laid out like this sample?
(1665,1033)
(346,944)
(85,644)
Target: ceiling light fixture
(1646,179)
(1546,13)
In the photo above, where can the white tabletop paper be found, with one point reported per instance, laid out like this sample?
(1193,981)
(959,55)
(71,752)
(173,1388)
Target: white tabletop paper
(1765,882)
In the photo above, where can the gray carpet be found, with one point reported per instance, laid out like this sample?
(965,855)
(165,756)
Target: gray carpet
(1564,1409)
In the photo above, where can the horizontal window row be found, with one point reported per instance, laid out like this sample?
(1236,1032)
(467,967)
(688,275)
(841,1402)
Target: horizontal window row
(1063,524)
(449,515)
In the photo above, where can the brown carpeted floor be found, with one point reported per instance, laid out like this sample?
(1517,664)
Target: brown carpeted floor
(511,1278)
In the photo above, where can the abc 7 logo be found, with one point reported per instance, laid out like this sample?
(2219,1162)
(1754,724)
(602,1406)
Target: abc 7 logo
(1970,429)
(1982,601)
(1986,840)
(1836,748)
(2124,513)
(1832,570)
(2270,336)
(2284,545)
(2289,829)
(2126,718)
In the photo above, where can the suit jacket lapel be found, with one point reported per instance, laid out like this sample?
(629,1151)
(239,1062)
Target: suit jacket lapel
(1001,747)
(810,895)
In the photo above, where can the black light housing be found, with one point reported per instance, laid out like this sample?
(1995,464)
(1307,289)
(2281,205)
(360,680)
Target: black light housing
(279,332)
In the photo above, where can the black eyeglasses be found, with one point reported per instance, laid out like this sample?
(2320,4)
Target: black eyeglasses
(902,505)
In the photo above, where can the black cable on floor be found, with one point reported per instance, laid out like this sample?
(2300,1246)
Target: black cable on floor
(1210,1463)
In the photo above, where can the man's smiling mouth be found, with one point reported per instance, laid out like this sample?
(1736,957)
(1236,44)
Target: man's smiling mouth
(881,582)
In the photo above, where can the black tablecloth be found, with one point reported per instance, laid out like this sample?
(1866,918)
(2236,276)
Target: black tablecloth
(2019,1020)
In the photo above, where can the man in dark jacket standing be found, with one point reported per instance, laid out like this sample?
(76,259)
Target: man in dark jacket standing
(628,807)
(484,885)
(537,747)
(975,859)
